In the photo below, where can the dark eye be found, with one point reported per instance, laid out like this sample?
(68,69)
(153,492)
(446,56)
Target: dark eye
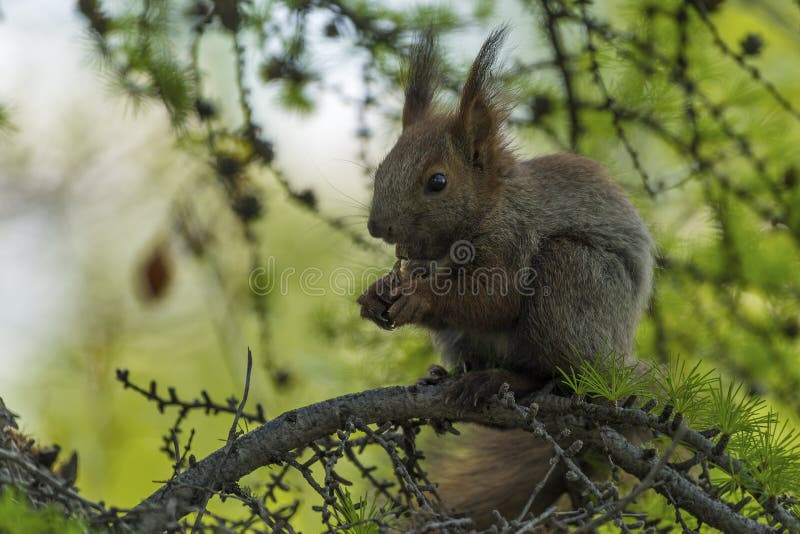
(437,182)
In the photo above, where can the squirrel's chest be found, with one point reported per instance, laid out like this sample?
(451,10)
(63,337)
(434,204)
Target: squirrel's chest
(475,350)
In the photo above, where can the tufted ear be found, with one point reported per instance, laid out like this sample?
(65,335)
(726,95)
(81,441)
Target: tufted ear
(423,77)
(480,116)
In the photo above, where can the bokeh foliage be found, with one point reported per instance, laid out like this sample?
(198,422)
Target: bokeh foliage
(16,515)
(5,119)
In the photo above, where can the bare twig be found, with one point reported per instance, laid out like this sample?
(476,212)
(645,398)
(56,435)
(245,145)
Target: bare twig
(229,445)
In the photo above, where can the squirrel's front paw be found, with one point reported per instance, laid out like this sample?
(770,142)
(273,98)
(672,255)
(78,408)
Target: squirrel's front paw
(375,302)
(412,304)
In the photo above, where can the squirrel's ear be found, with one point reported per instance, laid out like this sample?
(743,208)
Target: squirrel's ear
(423,74)
(479,117)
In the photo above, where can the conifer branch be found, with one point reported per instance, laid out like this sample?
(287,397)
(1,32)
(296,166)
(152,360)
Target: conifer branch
(271,443)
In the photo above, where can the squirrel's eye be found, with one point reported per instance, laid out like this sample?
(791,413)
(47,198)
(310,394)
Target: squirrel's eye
(437,182)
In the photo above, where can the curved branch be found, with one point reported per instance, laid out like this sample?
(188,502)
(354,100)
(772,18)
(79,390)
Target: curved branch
(271,442)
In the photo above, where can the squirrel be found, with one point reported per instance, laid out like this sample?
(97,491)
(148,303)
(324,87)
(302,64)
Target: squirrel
(517,267)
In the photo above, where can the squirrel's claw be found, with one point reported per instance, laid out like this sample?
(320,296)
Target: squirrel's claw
(436,375)
(476,387)
(375,311)
(387,321)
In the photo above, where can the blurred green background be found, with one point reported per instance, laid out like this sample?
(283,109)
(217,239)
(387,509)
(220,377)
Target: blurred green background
(138,198)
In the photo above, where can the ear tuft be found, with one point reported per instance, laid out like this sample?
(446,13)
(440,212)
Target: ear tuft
(423,77)
(480,116)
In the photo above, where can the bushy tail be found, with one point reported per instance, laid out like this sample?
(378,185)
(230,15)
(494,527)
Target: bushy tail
(488,469)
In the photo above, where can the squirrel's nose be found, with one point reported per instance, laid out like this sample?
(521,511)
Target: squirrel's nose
(380,230)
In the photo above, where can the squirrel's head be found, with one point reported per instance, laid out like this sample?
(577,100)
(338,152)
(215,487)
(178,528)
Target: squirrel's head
(446,169)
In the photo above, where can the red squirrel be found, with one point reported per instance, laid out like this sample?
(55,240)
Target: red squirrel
(517,267)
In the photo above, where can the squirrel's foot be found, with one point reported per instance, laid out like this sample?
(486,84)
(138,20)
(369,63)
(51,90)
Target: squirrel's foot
(436,375)
(477,387)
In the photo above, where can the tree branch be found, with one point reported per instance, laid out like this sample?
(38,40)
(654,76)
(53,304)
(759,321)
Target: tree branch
(271,443)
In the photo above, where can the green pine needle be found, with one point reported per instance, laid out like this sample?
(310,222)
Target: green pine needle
(731,410)
(609,377)
(772,456)
(575,381)
(686,391)
(358,517)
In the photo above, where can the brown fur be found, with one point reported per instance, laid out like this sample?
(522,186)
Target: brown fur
(559,218)
(470,484)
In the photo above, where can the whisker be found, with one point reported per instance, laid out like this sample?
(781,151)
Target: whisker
(362,216)
(356,163)
(357,202)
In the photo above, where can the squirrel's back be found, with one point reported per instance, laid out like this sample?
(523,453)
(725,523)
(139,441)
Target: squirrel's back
(573,196)
(587,258)
(570,196)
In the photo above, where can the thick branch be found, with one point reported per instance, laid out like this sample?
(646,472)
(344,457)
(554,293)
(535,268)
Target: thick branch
(269,444)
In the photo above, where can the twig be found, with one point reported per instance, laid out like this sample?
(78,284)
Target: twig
(51,480)
(229,445)
(644,484)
